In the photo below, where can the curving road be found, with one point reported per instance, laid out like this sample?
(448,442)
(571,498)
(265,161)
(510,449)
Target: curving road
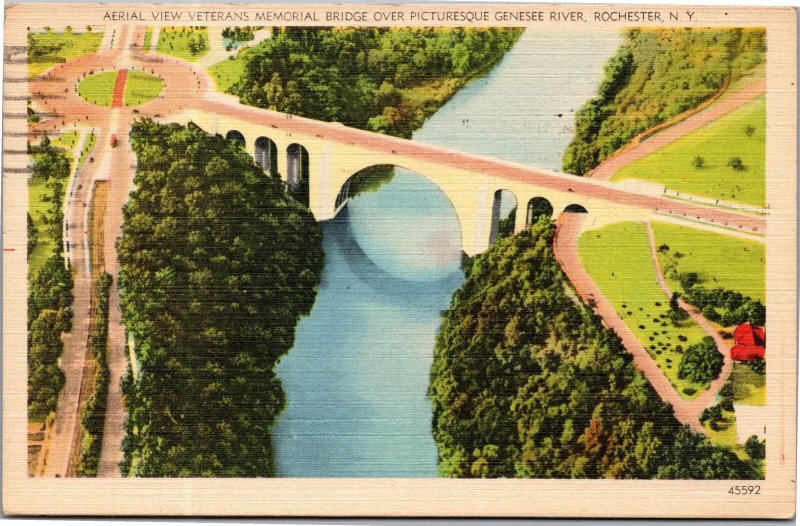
(727,104)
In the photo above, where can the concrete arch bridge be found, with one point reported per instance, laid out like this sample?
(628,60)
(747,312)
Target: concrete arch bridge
(317,159)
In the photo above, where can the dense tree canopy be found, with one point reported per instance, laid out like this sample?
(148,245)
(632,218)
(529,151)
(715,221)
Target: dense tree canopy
(381,79)
(527,383)
(217,266)
(655,75)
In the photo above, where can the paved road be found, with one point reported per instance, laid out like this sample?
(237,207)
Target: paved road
(727,104)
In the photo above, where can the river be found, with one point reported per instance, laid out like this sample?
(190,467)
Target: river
(356,379)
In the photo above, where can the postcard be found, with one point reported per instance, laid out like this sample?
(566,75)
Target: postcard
(399,260)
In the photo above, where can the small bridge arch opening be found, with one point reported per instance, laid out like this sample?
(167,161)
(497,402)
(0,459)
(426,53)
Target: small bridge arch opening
(236,137)
(266,155)
(575,209)
(504,214)
(538,207)
(297,173)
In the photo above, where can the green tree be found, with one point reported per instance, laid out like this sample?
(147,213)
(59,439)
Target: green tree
(701,362)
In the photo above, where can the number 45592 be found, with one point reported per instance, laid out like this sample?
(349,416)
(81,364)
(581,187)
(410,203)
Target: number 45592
(745,490)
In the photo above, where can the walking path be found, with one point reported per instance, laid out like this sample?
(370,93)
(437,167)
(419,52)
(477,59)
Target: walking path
(73,358)
(154,39)
(708,397)
(726,104)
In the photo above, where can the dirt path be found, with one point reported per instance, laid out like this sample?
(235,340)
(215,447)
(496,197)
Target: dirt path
(727,104)
(565,248)
(708,397)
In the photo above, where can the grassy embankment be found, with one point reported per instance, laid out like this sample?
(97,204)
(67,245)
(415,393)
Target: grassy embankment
(618,259)
(187,43)
(229,71)
(699,163)
(720,261)
(656,75)
(46,50)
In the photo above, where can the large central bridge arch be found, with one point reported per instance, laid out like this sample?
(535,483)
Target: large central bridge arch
(371,178)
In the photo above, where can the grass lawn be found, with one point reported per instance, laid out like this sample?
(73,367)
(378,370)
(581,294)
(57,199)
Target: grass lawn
(66,140)
(148,39)
(725,434)
(618,259)
(717,143)
(141,87)
(749,388)
(720,261)
(91,139)
(175,41)
(45,50)
(229,71)
(98,88)
(46,244)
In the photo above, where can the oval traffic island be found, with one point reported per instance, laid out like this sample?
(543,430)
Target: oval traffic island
(114,89)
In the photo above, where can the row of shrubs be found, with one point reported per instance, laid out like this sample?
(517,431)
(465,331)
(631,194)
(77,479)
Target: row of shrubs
(735,307)
(93,416)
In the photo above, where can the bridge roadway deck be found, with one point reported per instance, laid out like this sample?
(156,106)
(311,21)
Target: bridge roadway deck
(398,148)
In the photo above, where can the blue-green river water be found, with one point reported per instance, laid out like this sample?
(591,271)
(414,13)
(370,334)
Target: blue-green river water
(356,380)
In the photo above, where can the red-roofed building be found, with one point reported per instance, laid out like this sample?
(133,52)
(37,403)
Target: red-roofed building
(751,343)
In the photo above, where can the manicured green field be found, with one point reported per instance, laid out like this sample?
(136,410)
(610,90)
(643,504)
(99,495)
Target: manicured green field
(45,50)
(141,88)
(66,140)
(148,39)
(725,434)
(229,71)
(740,133)
(98,88)
(91,139)
(179,42)
(749,388)
(720,261)
(618,259)
(45,245)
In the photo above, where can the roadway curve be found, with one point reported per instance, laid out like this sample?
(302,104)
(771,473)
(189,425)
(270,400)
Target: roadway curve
(565,248)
